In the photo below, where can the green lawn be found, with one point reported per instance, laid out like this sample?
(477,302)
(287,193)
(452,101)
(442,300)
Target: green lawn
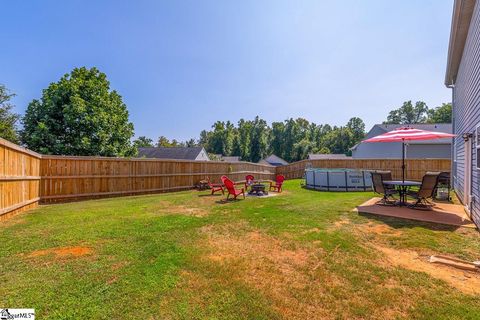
(187,255)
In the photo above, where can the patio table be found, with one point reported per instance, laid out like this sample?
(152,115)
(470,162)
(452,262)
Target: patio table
(402,188)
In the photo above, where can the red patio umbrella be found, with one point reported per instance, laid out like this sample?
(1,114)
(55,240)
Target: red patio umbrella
(408,134)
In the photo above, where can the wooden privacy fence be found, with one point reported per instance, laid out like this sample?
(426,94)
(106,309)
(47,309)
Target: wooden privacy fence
(72,178)
(27,177)
(415,168)
(19,178)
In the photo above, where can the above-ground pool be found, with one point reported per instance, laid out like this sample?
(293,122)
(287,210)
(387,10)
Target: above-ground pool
(338,179)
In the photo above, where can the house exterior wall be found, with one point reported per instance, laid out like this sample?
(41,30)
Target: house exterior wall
(466,113)
(390,150)
(432,151)
(393,150)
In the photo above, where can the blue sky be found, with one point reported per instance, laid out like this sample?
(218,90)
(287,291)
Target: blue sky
(181,65)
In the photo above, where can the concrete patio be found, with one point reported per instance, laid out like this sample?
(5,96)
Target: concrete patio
(442,213)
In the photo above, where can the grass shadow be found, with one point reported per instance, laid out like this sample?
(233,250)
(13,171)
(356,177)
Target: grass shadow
(401,223)
(226,201)
(209,195)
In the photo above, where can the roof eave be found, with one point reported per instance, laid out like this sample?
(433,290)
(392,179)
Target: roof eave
(461,16)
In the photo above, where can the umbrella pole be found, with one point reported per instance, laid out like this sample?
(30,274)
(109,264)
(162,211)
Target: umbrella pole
(403,160)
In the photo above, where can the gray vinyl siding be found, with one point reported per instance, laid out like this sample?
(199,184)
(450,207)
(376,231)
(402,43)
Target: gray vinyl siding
(432,151)
(393,150)
(466,111)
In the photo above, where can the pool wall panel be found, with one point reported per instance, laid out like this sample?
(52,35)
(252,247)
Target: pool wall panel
(338,179)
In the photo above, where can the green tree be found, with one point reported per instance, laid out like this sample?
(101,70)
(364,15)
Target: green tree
(8,119)
(277,139)
(323,150)
(290,137)
(191,143)
(79,115)
(357,127)
(339,140)
(216,144)
(142,142)
(163,141)
(442,114)
(236,146)
(244,133)
(408,113)
(229,136)
(221,139)
(302,148)
(204,139)
(175,143)
(259,140)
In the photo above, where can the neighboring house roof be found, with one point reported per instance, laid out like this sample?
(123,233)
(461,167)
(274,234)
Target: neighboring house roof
(318,156)
(181,153)
(264,162)
(231,159)
(274,160)
(439,127)
(462,15)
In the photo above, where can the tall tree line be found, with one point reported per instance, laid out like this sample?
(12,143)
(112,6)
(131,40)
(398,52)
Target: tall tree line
(252,140)
(292,139)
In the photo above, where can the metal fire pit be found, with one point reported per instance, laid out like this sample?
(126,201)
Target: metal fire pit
(258,189)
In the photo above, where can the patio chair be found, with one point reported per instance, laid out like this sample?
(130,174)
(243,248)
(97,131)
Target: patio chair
(230,186)
(277,185)
(426,191)
(215,187)
(379,187)
(249,180)
(443,182)
(386,176)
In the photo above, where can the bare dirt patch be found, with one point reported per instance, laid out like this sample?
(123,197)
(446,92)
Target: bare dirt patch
(467,282)
(62,252)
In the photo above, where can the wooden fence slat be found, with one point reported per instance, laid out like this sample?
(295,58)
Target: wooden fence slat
(19,179)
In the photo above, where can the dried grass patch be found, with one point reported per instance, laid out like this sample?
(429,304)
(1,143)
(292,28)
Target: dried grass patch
(298,281)
(13,220)
(466,282)
(379,229)
(167,208)
(281,271)
(62,252)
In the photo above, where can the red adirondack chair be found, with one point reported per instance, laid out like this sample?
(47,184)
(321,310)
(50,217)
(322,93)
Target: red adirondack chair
(230,186)
(277,185)
(249,179)
(215,187)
